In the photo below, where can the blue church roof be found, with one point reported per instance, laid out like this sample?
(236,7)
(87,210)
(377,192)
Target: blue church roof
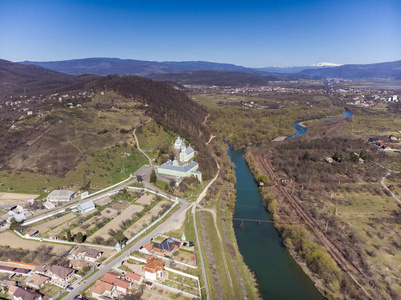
(169,166)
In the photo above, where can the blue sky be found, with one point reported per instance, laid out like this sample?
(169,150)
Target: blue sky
(249,33)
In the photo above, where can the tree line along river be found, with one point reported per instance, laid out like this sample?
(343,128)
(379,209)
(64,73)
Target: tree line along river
(278,275)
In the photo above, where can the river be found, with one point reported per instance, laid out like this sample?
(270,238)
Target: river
(278,275)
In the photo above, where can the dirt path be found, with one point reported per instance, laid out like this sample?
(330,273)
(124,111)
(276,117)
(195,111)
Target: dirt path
(211,138)
(204,122)
(213,212)
(331,248)
(139,148)
(387,189)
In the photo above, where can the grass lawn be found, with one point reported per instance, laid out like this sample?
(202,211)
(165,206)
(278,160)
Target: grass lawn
(154,138)
(376,125)
(218,259)
(50,289)
(372,220)
(209,277)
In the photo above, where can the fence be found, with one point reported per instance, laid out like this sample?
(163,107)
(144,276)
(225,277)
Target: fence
(108,188)
(59,241)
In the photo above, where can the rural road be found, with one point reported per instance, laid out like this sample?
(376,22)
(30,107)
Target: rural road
(106,268)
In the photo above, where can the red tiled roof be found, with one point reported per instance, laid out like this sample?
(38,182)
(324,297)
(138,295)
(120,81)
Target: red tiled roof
(153,265)
(148,247)
(133,276)
(113,279)
(100,287)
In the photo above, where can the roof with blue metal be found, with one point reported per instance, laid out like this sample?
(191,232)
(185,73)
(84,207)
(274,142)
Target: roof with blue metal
(169,166)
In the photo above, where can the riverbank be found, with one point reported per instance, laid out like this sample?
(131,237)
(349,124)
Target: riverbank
(313,258)
(309,255)
(261,244)
(227,274)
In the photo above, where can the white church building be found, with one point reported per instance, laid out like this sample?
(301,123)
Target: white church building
(186,153)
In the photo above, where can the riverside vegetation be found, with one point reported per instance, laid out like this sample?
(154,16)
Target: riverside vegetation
(344,198)
(241,126)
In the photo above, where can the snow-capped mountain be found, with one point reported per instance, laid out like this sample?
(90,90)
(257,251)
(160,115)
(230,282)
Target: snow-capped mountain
(326,64)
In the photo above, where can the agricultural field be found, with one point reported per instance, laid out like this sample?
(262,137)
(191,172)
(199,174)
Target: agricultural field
(47,226)
(148,218)
(118,218)
(146,199)
(108,213)
(114,224)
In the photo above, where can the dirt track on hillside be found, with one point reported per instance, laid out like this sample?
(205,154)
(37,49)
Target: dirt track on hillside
(265,167)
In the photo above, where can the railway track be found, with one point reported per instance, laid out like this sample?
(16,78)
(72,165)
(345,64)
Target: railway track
(329,245)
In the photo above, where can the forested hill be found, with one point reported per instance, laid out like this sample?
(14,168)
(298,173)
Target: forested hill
(16,77)
(165,104)
(169,107)
(218,78)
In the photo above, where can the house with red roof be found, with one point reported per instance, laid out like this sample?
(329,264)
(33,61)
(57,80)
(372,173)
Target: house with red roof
(147,248)
(119,283)
(103,289)
(135,278)
(154,269)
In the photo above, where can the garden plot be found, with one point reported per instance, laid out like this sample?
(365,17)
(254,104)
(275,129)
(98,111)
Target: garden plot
(146,199)
(103,201)
(184,257)
(144,221)
(13,241)
(108,213)
(115,223)
(135,267)
(50,225)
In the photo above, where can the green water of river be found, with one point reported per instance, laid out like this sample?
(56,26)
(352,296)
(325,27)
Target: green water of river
(278,275)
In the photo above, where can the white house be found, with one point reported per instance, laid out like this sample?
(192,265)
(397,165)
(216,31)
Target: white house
(57,273)
(154,269)
(86,207)
(86,253)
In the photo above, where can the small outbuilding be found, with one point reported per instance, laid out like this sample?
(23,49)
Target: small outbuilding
(60,196)
(86,207)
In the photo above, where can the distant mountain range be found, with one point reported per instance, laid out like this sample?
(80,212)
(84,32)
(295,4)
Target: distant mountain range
(223,78)
(107,66)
